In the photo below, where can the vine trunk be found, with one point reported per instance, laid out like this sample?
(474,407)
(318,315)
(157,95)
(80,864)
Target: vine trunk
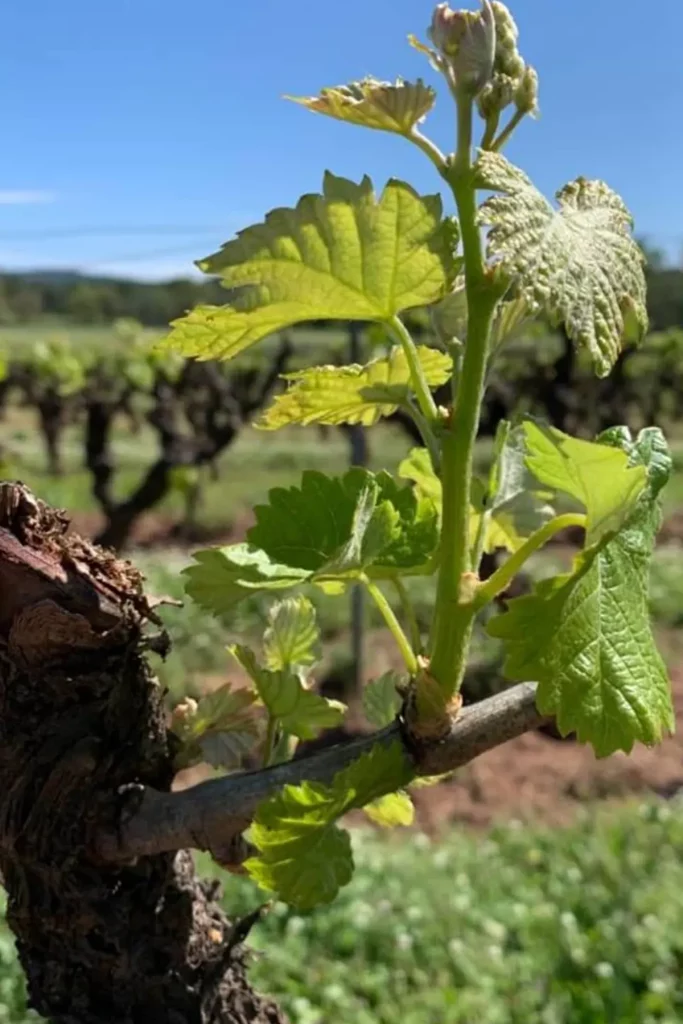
(82,725)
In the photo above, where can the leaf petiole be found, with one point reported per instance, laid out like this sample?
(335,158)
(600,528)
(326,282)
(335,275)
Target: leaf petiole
(417,375)
(507,131)
(428,435)
(269,744)
(487,139)
(430,149)
(501,579)
(387,612)
(408,612)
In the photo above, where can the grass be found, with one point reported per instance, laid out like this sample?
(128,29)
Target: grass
(100,337)
(522,926)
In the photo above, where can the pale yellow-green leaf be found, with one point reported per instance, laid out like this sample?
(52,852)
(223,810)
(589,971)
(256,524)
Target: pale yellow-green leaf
(391,107)
(342,255)
(579,264)
(391,810)
(352,394)
(503,528)
(292,638)
(417,467)
(298,710)
(596,475)
(501,531)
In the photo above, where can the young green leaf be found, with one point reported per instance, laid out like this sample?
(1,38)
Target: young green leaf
(328,530)
(388,107)
(374,526)
(414,541)
(352,394)
(585,636)
(417,466)
(513,513)
(580,264)
(381,700)
(304,857)
(221,577)
(337,525)
(597,475)
(391,810)
(342,255)
(322,523)
(218,729)
(299,711)
(515,508)
(292,639)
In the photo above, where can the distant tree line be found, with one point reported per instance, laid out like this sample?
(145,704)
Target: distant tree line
(26,298)
(82,299)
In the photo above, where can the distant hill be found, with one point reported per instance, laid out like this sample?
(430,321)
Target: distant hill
(90,299)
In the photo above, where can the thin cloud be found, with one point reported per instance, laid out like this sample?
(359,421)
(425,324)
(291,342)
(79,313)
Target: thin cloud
(24,197)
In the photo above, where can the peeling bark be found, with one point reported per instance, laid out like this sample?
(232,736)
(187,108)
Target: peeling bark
(81,722)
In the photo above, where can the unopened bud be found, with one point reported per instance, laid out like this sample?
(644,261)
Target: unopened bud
(506,27)
(496,96)
(507,59)
(183,712)
(448,29)
(526,95)
(467,40)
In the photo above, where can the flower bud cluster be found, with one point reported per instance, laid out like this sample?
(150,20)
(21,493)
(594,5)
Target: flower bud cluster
(511,80)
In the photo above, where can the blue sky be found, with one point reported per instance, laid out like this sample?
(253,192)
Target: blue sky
(148,114)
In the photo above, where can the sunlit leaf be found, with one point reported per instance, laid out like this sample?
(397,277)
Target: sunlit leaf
(342,255)
(585,636)
(329,522)
(596,475)
(221,577)
(351,394)
(292,638)
(391,810)
(396,107)
(579,264)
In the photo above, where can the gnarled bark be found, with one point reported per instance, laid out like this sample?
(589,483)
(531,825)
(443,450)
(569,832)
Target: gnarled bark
(81,720)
